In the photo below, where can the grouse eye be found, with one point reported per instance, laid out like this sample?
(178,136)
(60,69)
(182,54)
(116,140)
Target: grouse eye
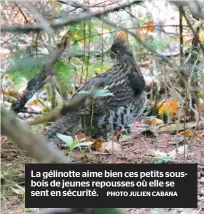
(114,52)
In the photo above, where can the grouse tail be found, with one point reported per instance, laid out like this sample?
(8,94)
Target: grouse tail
(68,124)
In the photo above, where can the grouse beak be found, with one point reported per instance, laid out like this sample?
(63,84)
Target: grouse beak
(105,53)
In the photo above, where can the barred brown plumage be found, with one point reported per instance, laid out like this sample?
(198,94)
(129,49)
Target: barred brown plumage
(124,80)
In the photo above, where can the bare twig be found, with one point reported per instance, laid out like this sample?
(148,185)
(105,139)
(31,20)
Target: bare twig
(22,13)
(181,36)
(100,4)
(190,25)
(39,18)
(182,126)
(52,116)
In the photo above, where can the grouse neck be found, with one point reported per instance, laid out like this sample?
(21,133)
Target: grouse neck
(125,59)
(124,67)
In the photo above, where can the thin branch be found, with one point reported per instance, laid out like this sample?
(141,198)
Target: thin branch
(22,13)
(134,28)
(60,22)
(21,28)
(190,25)
(94,5)
(181,35)
(39,18)
(36,83)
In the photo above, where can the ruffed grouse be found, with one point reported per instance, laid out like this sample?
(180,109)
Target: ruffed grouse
(125,81)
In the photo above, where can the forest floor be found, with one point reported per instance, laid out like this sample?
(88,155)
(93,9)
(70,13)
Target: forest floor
(134,150)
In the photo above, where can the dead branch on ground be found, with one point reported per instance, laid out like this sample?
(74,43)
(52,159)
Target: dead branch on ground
(21,134)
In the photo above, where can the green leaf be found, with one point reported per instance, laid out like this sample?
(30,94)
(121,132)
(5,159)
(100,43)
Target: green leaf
(74,144)
(71,143)
(163,160)
(202,94)
(67,139)
(78,143)
(26,67)
(84,144)
(102,93)
(97,93)
(84,92)
(64,72)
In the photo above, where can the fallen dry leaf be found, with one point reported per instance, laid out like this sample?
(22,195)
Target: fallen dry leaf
(118,135)
(97,145)
(187,133)
(160,155)
(111,147)
(155,121)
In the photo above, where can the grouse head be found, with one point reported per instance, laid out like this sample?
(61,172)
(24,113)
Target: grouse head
(120,51)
